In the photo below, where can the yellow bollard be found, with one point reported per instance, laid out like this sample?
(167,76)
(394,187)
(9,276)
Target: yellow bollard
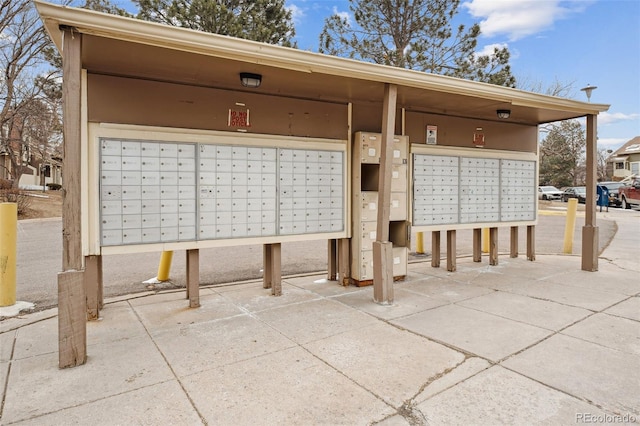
(8,249)
(420,243)
(485,240)
(165,266)
(572,208)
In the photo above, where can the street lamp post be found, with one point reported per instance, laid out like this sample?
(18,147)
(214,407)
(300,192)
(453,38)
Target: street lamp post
(588,91)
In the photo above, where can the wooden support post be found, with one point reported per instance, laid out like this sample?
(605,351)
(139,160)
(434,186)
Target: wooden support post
(451,251)
(332,264)
(477,244)
(513,252)
(193,277)
(93,286)
(435,249)
(72,299)
(276,269)
(266,266)
(72,321)
(382,247)
(383,294)
(344,265)
(590,230)
(531,242)
(493,246)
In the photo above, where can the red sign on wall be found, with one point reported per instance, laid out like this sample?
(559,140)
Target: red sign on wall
(478,137)
(239,119)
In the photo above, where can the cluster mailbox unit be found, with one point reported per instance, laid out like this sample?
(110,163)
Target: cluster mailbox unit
(207,193)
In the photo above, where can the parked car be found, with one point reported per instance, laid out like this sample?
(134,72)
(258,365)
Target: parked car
(614,198)
(579,192)
(629,193)
(549,193)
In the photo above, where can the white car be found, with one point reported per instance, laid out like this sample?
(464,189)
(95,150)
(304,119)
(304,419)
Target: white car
(549,193)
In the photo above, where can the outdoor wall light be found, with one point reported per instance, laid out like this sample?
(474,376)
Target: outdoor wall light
(503,114)
(250,80)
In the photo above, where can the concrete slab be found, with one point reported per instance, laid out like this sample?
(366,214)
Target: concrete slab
(608,279)
(152,298)
(37,339)
(404,303)
(256,298)
(629,308)
(469,368)
(540,313)
(315,320)
(568,295)
(613,332)
(164,403)
(499,396)
(15,323)
(7,340)
(38,387)
(202,346)
(319,284)
(391,363)
(4,371)
(117,321)
(497,279)
(444,289)
(286,387)
(608,378)
(158,317)
(475,332)
(395,420)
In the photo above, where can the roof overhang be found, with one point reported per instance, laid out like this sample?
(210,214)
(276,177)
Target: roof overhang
(127,47)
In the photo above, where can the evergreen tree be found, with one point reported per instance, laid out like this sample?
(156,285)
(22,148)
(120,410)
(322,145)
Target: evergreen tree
(562,154)
(266,21)
(415,34)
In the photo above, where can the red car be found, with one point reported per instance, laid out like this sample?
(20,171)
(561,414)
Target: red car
(629,194)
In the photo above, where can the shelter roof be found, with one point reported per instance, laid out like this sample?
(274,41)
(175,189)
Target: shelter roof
(120,46)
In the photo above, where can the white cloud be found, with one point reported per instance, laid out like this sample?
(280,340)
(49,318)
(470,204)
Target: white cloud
(612,143)
(488,49)
(520,18)
(342,15)
(297,13)
(605,118)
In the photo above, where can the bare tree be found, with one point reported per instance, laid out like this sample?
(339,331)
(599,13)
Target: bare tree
(22,41)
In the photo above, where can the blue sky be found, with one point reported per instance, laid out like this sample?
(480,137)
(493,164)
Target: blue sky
(574,42)
(577,42)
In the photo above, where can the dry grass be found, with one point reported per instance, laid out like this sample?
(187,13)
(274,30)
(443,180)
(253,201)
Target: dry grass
(43,205)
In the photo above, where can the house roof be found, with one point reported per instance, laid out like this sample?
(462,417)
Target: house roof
(120,46)
(629,148)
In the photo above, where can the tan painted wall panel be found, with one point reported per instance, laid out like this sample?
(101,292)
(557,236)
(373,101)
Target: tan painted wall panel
(455,131)
(143,102)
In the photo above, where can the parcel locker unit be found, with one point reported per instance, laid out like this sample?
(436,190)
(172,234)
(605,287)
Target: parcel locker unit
(366,172)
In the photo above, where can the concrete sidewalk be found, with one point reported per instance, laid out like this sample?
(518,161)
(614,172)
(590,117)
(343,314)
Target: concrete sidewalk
(518,343)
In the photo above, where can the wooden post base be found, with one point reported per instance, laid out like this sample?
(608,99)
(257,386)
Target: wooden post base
(383,272)
(72,319)
(590,240)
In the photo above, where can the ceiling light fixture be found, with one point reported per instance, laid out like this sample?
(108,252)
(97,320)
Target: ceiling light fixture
(250,80)
(503,114)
